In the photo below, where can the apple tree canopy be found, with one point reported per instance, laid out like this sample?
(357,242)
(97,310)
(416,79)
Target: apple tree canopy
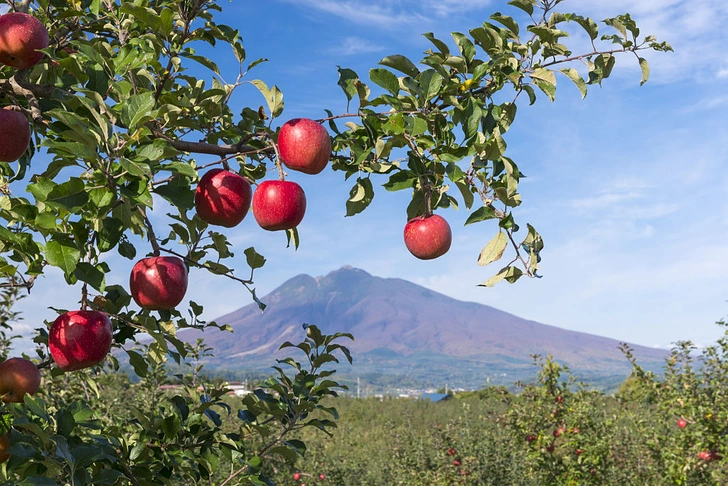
(122,108)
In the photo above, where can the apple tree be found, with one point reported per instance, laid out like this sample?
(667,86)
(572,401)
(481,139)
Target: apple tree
(124,113)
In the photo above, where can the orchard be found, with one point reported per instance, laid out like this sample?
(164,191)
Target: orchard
(106,98)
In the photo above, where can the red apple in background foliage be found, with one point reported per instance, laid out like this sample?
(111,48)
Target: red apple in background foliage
(14,134)
(427,237)
(18,376)
(4,446)
(21,35)
(304,145)
(705,456)
(158,283)
(296,476)
(222,198)
(682,423)
(80,339)
(279,205)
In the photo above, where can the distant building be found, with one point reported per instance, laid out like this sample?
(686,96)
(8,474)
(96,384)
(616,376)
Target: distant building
(435,397)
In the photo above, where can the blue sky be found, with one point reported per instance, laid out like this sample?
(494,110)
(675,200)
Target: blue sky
(627,187)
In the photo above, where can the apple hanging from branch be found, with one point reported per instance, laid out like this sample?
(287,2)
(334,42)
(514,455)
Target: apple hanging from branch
(279,205)
(21,38)
(304,145)
(159,282)
(14,134)
(18,376)
(222,198)
(80,339)
(427,237)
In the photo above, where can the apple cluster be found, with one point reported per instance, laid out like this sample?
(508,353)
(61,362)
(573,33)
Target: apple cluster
(21,38)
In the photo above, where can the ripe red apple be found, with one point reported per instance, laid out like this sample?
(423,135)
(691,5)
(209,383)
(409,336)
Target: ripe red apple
(455,462)
(550,448)
(80,339)
(14,134)
(427,237)
(21,35)
(158,283)
(714,456)
(682,423)
(279,205)
(451,451)
(18,376)
(530,437)
(296,476)
(578,452)
(705,456)
(322,477)
(222,198)
(304,145)
(4,446)
(558,432)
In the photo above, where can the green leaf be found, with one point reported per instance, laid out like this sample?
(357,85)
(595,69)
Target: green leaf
(544,74)
(360,196)
(254,259)
(93,275)
(401,64)
(61,252)
(467,49)
(347,81)
(510,274)
(273,97)
(71,194)
(507,21)
(481,214)
(574,75)
(493,251)
(441,46)
(525,5)
(139,364)
(645,70)
(137,108)
(385,79)
(431,81)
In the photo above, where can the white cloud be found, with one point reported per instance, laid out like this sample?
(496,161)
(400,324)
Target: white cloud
(351,46)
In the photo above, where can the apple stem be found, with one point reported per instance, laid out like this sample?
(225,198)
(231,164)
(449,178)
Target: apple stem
(428,199)
(44,364)
(84,296)
(150,232)
(279,166)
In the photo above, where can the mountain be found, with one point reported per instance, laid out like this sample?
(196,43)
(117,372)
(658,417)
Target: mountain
(406,334)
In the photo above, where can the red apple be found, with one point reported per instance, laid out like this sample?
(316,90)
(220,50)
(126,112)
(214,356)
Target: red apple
(21,37)
(279,205)
(322,477)
(578,452)
(427,237)
(296,476)
(14,134)
(550,448)
(530,437)
(222,198)
(450,451)
(705,456)
(455,462)
(80,339)
(682,423)
(158,283)
(18,376)
(4,446)
(304,145)
(558,432)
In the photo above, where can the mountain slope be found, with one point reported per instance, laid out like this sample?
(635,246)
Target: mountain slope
(402,327)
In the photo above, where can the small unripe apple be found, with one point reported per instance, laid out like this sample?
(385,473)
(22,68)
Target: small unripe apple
(279,205)
(304,145)
(80,339)
(222,198)
(682,423)
(427,237)
(18,376)
(21,37)
(158,283)
(14,134)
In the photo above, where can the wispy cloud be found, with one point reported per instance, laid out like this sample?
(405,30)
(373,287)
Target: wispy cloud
(351,46)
